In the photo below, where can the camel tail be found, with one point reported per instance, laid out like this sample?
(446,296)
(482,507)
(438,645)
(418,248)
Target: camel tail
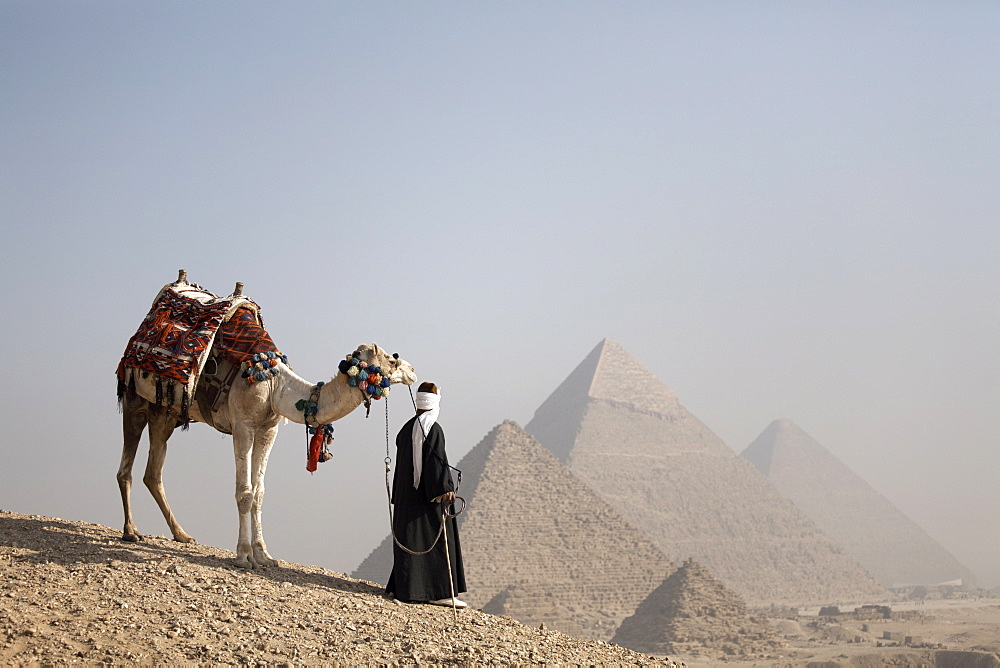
(185,421)
(121,394)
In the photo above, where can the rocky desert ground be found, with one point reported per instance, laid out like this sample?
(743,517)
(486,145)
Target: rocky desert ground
(73,592)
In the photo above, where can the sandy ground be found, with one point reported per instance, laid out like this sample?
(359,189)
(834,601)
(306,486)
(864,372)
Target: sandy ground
(73,592)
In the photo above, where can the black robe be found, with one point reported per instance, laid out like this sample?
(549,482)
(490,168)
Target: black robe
(416,522)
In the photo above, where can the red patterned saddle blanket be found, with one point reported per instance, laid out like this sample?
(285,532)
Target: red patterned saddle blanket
(177,336)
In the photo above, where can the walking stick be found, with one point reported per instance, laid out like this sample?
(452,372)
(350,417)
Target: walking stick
(447,557)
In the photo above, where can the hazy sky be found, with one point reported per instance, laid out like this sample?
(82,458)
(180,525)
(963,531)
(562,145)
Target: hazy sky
(782,209)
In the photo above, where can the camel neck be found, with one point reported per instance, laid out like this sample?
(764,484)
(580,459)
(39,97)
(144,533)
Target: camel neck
(291,388)
(336,398)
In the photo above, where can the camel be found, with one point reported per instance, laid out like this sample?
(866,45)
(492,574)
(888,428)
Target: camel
(251,413)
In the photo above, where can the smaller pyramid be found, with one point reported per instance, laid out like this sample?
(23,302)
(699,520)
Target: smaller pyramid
(539,545)
(868,526)
(534,605)
(693,614)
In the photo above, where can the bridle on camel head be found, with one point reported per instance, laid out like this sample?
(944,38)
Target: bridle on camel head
(370,379)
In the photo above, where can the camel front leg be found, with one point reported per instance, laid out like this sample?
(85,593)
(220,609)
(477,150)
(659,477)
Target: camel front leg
(252,448)
(242,446)
(263,442)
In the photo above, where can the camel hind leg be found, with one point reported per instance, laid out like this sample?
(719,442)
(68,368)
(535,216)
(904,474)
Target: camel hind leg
(137,414)
(134,418)
(161,426)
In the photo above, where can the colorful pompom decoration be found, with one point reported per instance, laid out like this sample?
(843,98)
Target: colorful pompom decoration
(366,377)
(262,365)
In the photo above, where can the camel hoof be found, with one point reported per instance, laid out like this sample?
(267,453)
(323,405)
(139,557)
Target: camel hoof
(184,538)
(263,560)
(246,561)
(131,537)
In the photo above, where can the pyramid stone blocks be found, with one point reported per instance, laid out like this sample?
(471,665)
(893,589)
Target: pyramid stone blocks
(623,432)
(693,613)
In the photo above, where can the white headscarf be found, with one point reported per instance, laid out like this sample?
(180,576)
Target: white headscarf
(421,427)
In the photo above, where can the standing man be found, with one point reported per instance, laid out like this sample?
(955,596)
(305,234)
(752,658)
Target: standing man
(422,488)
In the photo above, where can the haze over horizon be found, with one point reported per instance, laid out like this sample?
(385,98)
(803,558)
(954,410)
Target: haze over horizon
(782,210)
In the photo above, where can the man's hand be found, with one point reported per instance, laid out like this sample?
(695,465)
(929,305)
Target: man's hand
(446,498)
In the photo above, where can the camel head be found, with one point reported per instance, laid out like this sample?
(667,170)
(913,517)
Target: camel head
(397,369)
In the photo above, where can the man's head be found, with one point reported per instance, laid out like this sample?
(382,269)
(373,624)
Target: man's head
(428,397)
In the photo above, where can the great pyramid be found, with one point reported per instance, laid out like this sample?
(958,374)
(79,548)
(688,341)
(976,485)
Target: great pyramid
(870,528)
(693,613)
(541,546)
(623,432)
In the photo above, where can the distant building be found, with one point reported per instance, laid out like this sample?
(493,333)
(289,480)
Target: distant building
(873,612)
